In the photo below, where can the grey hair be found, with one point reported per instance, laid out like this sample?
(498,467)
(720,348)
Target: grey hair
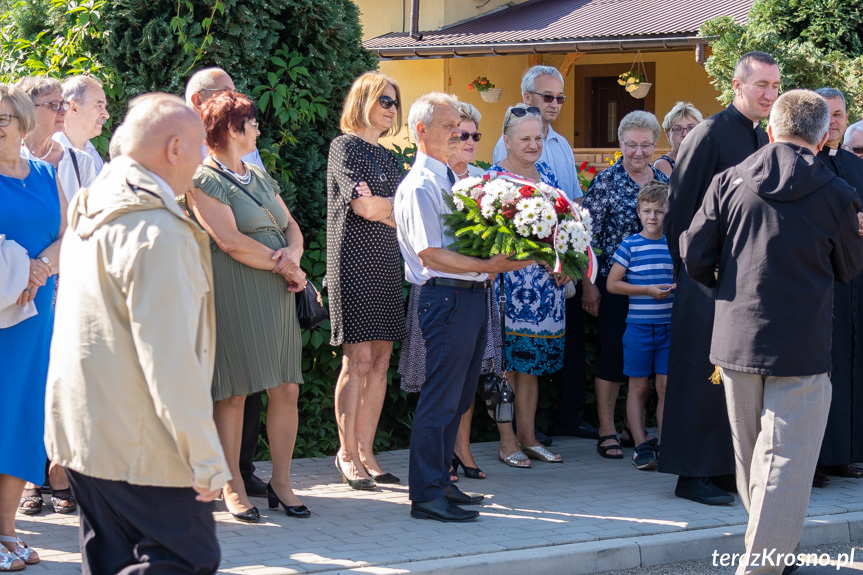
(422,110)
(21,104)
(801,115)
(468,112)
(744,65)
(830,93)
(678,112)
(853,129)
(510,122)
(528,81)
(201,80)
(639,120)
(38,86)
(75,88)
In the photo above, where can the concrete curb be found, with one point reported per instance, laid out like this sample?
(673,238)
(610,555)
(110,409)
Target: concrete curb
(617,554)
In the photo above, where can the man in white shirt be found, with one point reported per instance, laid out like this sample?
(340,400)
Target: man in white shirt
(542,86)
(87,115)
(452,314)
(203,85)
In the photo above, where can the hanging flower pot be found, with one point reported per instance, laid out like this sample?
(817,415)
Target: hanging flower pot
(640,90)
(491,95)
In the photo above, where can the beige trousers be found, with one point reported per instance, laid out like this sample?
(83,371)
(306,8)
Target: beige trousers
(777,424)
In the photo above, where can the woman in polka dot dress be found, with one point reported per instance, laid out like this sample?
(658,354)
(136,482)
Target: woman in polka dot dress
(364,273)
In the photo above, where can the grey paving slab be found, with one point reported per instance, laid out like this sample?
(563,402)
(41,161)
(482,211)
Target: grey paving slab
(583,516)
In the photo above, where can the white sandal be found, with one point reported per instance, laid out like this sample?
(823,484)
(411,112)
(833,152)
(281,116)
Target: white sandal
(22,551)
(8,559)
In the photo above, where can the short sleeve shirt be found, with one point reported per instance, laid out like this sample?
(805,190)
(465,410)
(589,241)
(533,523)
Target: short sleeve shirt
(647,263)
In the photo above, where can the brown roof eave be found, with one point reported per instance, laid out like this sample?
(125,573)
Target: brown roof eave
(513,48)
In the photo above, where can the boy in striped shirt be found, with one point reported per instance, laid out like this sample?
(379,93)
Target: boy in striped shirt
(643,270)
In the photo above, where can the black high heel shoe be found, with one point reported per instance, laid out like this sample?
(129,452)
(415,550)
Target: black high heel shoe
(297,511)
(469,472)
(363,484)
(248,516)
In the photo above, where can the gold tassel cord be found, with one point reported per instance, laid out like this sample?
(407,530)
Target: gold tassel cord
(716,377)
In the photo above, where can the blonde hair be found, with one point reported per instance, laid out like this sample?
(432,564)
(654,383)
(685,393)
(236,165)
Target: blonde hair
(362,97)
(653,192)
(678,112)
(21,104)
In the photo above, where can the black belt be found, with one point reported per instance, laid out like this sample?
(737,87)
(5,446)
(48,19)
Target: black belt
(464,284)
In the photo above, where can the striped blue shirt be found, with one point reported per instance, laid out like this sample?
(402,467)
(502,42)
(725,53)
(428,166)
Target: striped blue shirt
(647,263)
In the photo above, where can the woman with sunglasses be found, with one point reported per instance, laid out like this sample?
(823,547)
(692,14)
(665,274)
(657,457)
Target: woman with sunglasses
(534,331)
(74,169)
(256,246)
(34,217)
(364,272)
(678,122)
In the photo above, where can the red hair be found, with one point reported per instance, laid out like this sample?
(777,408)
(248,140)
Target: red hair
(228,110)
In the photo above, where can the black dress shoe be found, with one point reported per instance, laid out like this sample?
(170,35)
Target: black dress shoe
(727,483)
(298,511)
(384,478)
(583,429)
(273,501)
(249,516)
(458,496)
(702,490)
(441,509)
(820,480)
(255,487)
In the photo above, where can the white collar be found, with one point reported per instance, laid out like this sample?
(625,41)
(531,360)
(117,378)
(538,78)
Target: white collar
(165,191)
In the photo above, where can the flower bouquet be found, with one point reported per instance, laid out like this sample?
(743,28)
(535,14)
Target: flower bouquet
(508,215)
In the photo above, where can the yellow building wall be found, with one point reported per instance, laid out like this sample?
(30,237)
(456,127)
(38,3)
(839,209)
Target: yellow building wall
(674,75)
(379,17)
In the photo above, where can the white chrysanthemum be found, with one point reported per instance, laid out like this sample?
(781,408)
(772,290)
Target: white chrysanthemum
(477,191)
(523,230)
(487,206)
(548,215)
(541,230)
(464,186)
(528,211)
(561,241)
(518,220)
(496,187)
(458,201)
(509,195)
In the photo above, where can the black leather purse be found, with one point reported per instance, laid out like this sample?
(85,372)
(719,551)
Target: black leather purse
(310,307)
(495,389)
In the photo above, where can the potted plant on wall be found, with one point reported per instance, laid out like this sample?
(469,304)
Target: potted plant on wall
(486,89)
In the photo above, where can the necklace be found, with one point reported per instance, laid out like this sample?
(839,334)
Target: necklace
(50,149)
(464,175)
(242,179)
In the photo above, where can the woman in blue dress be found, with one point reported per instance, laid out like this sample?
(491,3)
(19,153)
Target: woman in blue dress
(535,318)
(33,215)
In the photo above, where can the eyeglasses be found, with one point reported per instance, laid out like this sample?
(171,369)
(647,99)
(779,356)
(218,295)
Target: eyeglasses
(677,130)
(465,136)
(548,98)
(856,149)
(56,105)
(631,146)
(386,102)
(254,124)
(6,119)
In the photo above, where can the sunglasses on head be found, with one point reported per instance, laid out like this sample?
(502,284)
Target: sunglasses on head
(386,102)
(548,98)
(522,112)
(467,135)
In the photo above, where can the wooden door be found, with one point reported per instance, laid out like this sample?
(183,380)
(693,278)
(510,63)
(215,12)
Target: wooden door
(609,102)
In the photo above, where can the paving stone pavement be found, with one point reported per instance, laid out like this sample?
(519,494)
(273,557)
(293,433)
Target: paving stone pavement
(585,515)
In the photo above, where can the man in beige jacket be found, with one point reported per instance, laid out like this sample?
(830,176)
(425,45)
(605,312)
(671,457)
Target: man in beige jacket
(129,412)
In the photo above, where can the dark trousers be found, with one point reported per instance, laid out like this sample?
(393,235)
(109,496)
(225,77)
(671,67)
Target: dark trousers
(251,431)
(453,323)
(572,382)
(135,529)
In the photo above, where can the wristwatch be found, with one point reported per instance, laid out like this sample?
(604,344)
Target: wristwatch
(47,263)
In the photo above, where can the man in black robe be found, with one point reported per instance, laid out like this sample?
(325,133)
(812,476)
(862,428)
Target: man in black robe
(696,436)
(843,442)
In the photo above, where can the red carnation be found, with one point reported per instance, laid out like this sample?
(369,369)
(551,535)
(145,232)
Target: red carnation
(507,209)
(582,167)
(526,191)
(561,206)
(592,170)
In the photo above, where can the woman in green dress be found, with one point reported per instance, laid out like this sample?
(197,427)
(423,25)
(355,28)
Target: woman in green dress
(256,247)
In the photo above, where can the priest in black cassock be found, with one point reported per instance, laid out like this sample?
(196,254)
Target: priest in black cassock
(696,436)
(843,441)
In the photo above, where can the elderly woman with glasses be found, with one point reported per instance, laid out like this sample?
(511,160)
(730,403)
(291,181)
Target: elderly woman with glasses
(682,118)
(534,314)
(75,169)
(364,272)
(256,247)
(612,202)
(34,218)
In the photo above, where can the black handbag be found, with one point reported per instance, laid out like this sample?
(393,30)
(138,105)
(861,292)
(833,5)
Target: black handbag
(495,389)
(310,307)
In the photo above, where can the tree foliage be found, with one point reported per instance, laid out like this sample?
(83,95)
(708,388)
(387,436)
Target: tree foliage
(817,43)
